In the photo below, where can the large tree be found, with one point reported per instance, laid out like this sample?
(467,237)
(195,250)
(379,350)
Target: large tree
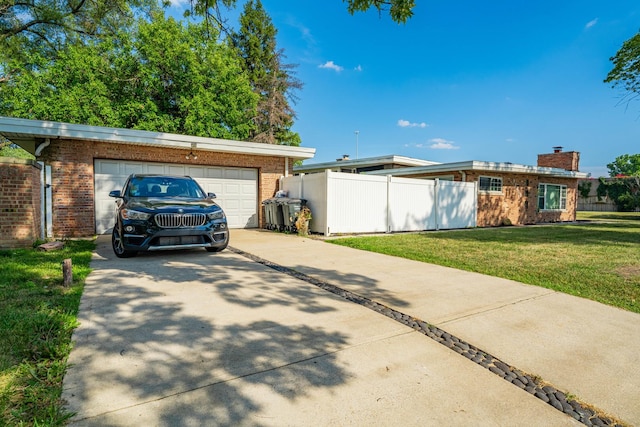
(33,30)
(626,68)
(625,165)
(164,76)
(272,81)
(623,188)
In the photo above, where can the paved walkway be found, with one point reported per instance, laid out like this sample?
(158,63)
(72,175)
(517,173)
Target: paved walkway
(192,338)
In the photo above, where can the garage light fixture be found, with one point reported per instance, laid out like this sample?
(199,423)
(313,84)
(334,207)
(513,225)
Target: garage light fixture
(191,156)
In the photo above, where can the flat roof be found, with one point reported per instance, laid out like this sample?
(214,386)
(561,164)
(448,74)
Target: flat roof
(474,165)
(364,162)
(30,133)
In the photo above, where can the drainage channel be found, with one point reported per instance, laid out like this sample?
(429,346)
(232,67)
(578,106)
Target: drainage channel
(547,393)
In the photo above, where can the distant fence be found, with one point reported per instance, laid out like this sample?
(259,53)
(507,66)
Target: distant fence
(351,203)
(592,203)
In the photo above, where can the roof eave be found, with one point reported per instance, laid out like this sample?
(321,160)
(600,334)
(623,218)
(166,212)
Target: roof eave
(25,132)
(475,165)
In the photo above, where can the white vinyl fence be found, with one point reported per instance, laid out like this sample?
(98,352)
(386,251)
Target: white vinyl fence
(352,203)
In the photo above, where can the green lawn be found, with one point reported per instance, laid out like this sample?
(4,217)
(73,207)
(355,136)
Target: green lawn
(37,318)
(598,259)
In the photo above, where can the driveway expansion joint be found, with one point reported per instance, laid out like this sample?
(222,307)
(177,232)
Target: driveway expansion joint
(531,384)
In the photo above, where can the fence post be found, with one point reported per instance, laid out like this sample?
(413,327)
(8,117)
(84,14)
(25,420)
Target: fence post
(388,222)
(436,203)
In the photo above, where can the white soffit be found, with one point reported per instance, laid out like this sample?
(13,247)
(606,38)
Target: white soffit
(25,130)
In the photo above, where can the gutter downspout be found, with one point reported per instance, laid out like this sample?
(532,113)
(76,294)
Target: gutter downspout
(42,146)
(464,176)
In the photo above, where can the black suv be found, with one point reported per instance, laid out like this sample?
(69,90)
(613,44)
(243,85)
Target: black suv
(159,212)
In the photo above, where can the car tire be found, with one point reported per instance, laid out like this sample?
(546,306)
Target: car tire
(118,245)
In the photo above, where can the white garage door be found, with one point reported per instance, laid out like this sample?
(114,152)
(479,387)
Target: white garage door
(236,188)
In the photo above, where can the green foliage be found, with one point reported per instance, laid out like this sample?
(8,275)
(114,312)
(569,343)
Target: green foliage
(40,28)
(399,10)
(584,188)
(37,318)
(165,76)
(626,164)
(624,192)
(7,149)
(626,67)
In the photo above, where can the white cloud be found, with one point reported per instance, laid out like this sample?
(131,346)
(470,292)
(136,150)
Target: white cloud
(332,66)
(178,3)
(407,124)
(358,68)
(442,144)
(591,23)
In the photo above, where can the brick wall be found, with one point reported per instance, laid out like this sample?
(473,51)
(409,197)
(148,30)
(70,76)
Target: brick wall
(518,202)
(20,204)
(73,186)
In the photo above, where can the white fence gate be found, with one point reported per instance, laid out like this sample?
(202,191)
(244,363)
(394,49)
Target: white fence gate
(353,203)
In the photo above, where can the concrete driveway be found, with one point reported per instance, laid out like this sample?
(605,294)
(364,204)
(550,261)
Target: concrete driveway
(192,338)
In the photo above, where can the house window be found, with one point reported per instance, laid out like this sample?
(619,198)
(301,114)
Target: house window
(491,184)
(552,197)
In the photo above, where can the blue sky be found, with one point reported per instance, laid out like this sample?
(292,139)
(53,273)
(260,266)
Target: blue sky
(462,80)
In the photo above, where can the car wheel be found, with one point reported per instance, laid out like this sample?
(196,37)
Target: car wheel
(118,245)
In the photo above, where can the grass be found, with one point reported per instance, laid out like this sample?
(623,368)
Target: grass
(598,259)
(37,318)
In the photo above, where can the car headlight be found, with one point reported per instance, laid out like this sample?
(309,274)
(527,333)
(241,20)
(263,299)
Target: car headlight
(216,215)
(131,214)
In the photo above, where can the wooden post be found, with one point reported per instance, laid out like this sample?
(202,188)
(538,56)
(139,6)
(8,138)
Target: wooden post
(67,273)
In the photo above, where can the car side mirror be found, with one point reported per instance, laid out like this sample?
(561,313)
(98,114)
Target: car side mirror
(115,193)
(211,195)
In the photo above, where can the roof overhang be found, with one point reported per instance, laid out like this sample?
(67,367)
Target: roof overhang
(475,165)
(29,134)
(362,163)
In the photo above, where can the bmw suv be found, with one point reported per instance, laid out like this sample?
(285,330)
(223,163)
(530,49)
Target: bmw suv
(160,212)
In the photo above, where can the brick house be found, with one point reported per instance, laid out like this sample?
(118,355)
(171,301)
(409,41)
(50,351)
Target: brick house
(77,165)
(507,193)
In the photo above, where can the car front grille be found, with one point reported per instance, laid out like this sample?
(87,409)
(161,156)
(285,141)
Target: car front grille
(175,220)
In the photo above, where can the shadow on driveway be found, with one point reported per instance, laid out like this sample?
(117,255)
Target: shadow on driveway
(161,325)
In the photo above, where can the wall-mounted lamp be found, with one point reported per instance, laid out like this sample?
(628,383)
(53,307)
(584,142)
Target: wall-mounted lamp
(191,156)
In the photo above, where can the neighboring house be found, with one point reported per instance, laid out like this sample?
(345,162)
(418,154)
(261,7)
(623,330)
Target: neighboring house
(369,164)
(77,166)
(507,193)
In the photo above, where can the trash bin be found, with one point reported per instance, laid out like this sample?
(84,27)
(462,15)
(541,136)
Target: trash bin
(268,213)
(278,219)
(273,214)
(290,210)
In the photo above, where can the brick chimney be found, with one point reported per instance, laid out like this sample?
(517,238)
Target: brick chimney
(559,159)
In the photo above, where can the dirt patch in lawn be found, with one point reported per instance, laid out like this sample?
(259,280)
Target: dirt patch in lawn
(629,271)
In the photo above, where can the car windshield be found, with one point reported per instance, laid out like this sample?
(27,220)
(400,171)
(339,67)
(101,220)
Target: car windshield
(146,186)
